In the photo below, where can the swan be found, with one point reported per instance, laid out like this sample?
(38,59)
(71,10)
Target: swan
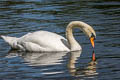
(44,41)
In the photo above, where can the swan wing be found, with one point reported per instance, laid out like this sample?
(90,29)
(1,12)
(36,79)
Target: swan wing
(43,41)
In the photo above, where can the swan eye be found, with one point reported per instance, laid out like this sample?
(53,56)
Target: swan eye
(92,35)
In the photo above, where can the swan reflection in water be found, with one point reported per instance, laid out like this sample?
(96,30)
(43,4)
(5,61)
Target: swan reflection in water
(57,60)
(89,70)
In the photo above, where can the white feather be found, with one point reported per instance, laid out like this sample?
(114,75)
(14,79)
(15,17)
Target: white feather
(38,41)
(44,41)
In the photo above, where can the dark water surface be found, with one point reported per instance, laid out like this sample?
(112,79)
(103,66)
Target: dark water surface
(18,17)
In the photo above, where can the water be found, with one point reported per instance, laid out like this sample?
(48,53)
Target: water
(18,17)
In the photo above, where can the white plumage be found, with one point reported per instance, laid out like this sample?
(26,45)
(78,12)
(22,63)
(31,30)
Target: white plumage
(44,41)
(38,41)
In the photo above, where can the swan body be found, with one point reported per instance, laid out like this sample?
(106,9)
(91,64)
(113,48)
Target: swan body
(44,41)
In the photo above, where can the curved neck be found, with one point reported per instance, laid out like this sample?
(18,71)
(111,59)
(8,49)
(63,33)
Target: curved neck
(74,45)
(87,29)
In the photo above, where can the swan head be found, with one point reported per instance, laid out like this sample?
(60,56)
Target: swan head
(87,29)
(92,38)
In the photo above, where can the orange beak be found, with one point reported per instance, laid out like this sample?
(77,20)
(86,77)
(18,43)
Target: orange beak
(92,41)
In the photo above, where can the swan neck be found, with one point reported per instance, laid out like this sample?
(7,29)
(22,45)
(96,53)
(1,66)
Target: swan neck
(87,29)
(74,45)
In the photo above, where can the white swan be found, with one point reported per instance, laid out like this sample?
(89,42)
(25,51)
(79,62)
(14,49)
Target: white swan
(44,41)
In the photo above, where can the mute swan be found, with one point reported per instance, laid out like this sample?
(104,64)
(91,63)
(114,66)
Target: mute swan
(44,41)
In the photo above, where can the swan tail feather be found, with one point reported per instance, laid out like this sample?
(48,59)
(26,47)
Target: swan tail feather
(12,41)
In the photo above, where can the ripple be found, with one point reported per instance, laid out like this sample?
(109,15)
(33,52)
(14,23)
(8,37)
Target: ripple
(20,17)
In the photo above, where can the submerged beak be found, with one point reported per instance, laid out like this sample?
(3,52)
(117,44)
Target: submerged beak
(92,41)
